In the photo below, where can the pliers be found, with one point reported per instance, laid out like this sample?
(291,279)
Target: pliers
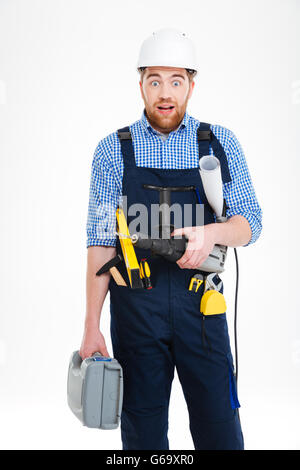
(210,284)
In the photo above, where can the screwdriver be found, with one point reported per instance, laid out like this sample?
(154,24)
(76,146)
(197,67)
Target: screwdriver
(145,273)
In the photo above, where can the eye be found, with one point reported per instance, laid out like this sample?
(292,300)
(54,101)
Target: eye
(155,81)
(177,81)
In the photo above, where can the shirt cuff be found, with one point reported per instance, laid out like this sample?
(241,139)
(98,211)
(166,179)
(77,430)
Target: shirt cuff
(101,242)
(255,225)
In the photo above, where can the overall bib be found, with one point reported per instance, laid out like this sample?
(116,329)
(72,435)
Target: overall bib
(154,330)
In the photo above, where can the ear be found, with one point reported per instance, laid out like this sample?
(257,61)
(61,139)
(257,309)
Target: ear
(192,84)
(141,89)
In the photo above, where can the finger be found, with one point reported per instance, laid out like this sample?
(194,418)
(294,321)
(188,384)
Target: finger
(84,354)
(194,260)
(184,259)
(190,248)
(192,244)
(104,352)
(182,231)
(177,231)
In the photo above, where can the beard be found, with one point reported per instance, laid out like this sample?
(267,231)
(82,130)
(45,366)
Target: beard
(166,123)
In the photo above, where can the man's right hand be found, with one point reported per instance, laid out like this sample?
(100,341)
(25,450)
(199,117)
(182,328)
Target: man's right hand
(93,341)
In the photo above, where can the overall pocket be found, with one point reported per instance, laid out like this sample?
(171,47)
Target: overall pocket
(113,286)
(214,332)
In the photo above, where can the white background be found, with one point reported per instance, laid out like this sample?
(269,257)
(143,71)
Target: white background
(67,79)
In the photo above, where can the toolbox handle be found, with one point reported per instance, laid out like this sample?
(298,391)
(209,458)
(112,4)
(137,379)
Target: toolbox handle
(109,364)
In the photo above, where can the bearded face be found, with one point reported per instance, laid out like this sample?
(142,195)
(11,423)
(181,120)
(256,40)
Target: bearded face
(165,91)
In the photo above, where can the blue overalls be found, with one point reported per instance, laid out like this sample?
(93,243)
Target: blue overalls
(154,330)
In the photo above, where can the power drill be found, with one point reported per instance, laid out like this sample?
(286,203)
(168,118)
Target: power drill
(171,248)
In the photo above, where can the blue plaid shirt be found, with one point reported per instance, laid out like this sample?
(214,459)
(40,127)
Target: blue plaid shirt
(179,150)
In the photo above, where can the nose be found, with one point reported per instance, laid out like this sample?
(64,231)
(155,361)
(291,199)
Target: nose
(165,91)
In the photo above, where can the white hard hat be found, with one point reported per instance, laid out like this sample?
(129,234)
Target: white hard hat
(168,48)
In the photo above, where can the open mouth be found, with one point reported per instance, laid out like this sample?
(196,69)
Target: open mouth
(165,109)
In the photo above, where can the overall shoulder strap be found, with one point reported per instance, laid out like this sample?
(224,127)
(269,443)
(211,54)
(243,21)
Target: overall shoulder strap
(125,138)
(205,138)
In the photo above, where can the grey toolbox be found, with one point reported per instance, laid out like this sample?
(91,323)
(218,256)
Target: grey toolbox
(95,390)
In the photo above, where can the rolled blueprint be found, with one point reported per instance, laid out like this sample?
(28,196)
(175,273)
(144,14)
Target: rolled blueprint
(210,172)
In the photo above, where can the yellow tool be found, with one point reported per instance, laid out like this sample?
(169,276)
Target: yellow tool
(196,282)
(212,302)
(145,273)
(129,255)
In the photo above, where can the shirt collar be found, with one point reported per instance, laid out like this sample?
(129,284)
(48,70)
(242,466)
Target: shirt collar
(147,126)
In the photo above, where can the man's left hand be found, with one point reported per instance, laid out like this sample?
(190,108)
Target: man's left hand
(201,241)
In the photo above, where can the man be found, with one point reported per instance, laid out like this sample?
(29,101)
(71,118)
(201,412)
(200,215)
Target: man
(153,331)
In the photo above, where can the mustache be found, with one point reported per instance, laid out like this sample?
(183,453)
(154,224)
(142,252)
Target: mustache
(166,103)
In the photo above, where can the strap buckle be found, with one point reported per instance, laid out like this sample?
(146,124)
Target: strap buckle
(124,135)
(204,135)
